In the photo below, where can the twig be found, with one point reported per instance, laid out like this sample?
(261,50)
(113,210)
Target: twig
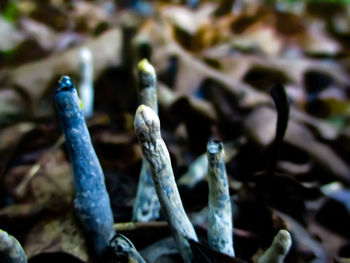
(146,207)
(279,248)
(147,127)
(220,212)
(92,202)
(128,226)
(11,250)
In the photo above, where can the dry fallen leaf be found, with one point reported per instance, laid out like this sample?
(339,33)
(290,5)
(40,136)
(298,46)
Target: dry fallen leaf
(61,234)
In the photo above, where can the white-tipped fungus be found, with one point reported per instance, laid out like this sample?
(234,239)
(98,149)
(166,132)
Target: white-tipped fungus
(279,248)
(147,127)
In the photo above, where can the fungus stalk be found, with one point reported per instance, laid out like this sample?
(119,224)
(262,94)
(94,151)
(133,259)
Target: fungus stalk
(219,204)
(279,248)
(11,250)
(146,207)
(147,128)
(86,89)
(91,202)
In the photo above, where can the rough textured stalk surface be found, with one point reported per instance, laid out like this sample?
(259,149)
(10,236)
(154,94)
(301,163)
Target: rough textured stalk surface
(147,127)
(92,202)
(124,251)
(220,228)
(11,250)
(279,248)
(86,89)
(146,207)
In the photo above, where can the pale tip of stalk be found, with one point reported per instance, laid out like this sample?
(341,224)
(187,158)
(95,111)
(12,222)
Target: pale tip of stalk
(146,121)
(65,83)
(85,55)
(214,147)
(283,241)
(145,67)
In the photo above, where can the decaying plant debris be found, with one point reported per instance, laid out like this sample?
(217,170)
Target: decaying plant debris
(270,79)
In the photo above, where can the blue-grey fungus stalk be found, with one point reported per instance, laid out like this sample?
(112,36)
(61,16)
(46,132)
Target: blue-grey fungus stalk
(147,127)
(279,248)
(11,250)
(220,229)
(86,88)
(146,207)
(123,250)
(91,202)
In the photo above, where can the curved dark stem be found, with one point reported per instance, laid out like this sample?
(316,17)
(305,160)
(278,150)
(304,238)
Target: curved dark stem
(280,99)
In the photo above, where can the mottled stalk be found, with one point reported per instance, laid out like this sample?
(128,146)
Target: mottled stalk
(92,202)
(220,228)
(147,128)
(86,89)
(124,251)
(11,250)
(146,207)
(279,248)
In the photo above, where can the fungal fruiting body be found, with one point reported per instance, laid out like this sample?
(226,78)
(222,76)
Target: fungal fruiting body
(279,248)
(146,207)
(86,88)
(91,202)
(11,250)
(219,204)
(147,127)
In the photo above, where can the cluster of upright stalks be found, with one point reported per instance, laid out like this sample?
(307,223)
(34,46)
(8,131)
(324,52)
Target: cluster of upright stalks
(146,207)
(157,160)
(157,189)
